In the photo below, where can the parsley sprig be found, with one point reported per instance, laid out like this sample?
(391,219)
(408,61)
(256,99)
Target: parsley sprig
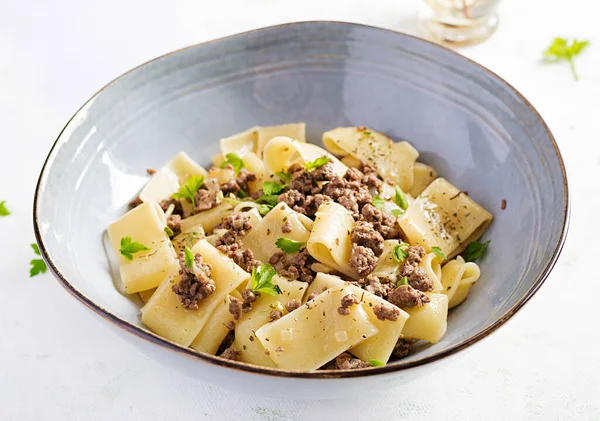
(400,198)
(189,257)
(438,252)
(189,189)
(474,250)
(319,162)
(235,161)
(562,49)
(37,265)
(130,247)
(399,253)
(288,245)
(3,210)
(378,202)
(376,363)
(402,281)
(262,280)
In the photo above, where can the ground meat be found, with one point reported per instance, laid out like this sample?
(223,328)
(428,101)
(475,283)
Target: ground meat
(292,305)
(294,199)
(275,315)
(407,296)
(249,297)
(383,223)
(174,223)
(386,312)
(347,301)
(243,257)
(230,325)
(415,254)
(346,361)
(374,285)
(240,182)
(503,204)
(364,235)
(372,180)
(195,283)
(279,349)
(286,227)
(363,260)
(402,347)
(235,308)
(312,203)
(307,181)
(299,268)
(417,277)
(177,209)
(205,200)
(135,203)
(231,354)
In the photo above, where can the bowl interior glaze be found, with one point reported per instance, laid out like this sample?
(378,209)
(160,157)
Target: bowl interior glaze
(475,129)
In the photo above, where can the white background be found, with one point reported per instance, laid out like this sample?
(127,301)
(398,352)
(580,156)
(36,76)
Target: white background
(59,361)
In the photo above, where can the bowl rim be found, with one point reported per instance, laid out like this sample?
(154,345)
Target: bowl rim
(324,374)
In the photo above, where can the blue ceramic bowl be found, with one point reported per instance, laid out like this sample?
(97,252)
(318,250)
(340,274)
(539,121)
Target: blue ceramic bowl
(473,127)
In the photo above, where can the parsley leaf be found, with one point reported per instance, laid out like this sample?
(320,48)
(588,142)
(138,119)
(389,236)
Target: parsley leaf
(397,212)
(235,161)
(438,252)
(189,189)
(284,176)
(189,257)
(319,162)
(271,188)
(37,265)
(3,210)
(169,232)
(376,363)
(262,280)
(378,202)
(366,133)
(288,245)
(130,247)
(402,281)
(242,194)
(400,198)
(474,250)
(562,49)
(399,253)
(264,209)
(233,201)
(269,199)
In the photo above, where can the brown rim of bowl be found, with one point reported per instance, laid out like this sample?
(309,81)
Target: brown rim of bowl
(397,366)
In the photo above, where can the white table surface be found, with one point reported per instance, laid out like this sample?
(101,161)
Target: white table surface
(59,361)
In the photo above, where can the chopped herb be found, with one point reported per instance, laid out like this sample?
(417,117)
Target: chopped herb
(378,202)
(474,250)
(37,265)
(3,210)
(269,199)
(130,247)
(561,49)
(288,245)
(397,212)
(189,189)
(401,198)
(169,232)
(242,194)
(367,133)
(234,160)
(189,257)
(233,201)
(264,209)
(438,252)
(319,162)
(271,188)
(262,280)
(403,281)
(399,253)
(376,363)
(284,176)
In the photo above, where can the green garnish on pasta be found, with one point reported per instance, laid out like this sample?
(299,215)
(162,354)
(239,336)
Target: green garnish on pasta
(399,253)
(270,188)
(189,189)
(169,232)
(234,160)
(403,281)
(288,245)
(400,198)
(189,258)
(262,280)
(376,363)
(319,162)
(438,252)
(284,176)
(397,212)
(378,202)
(474,250)
(130,247)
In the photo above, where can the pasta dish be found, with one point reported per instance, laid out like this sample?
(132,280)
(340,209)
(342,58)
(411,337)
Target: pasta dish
(290,255)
